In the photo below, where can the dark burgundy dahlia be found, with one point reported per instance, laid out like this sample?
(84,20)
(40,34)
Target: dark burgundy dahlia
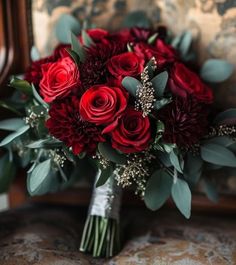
(66,125)
(93,70)
(185,121)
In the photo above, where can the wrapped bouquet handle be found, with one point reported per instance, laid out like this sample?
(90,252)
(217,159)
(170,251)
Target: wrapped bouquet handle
(101,234)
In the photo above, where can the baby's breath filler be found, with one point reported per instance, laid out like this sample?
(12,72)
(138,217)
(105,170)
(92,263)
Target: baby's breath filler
(145,94)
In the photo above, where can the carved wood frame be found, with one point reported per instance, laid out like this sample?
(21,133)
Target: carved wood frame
(15,38)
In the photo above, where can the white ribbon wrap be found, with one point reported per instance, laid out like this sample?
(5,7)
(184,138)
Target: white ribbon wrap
(106,199)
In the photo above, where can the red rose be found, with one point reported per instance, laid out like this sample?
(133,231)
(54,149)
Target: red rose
(184,82)
(97,35)
(34,72)
(144,51)
(103,105)
(133,133)
(162,52)
(125,64)
(59,79)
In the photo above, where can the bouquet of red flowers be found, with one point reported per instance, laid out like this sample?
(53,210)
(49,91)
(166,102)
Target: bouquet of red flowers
(135,106)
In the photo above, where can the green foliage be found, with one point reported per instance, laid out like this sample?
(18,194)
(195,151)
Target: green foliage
(77,52)
(14,135)
(192,168)
(45,143)
(225,141)
(10,106)
(216,70)
(226,117)
(176,160)
(137,19)
(66,24)
(86,39)
(164,158)
(131,85)
(12,124)
(105,174)
(218,154)
(111,154)
(159,83)
(42,179)
(151,69)
(34,54)
(38,97)
(7,172)
(152,39)
(183,44)
(158,189)
(210,190)
(181,195)
(161,103)
(160,127)
(21,85)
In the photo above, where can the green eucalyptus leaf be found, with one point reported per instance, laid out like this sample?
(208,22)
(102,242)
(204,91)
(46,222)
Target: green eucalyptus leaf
(152,39)
(181,195)
(108,152)
(38,97)
(158,189)
(87,39)
(14,135)
(175,161)
(75,45)
(210,190)
(131,85)
(160,127)
(151,69)
(45,143)
(226,117)
(185,43)
(159,83)
(105,174)
(12,124)
(34,54)
(193,168)
(8,171)
(225,141)
(161,103)
(216,70)
(168,147)
(164,158)
(137,19)
(10,106)
(74,56)
(21,85)
(42,179)
(77,52)
(218,154)
(176,41)
(66,24)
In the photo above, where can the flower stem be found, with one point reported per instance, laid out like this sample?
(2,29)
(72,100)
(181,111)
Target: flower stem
(100,237)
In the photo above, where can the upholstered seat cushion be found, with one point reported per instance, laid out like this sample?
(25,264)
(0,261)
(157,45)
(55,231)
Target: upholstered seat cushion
(50,235)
